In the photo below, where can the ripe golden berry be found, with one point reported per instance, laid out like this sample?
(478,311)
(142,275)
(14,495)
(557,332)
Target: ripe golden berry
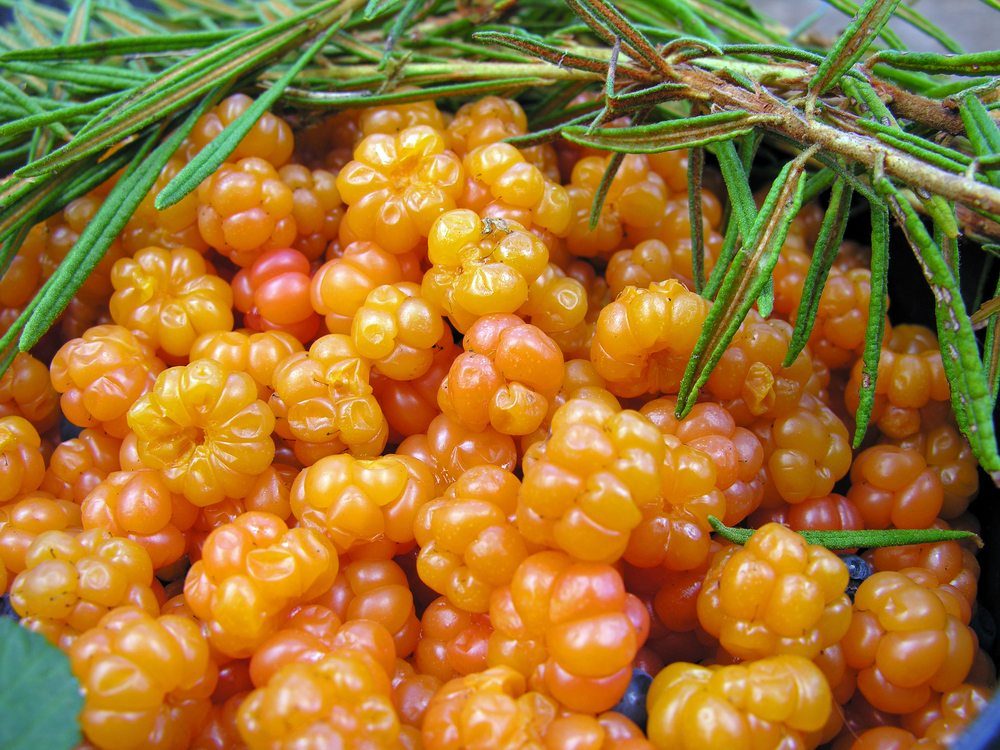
(776,595)
(101,375)
(245,210)
(396,186)
(645,337)
(270,138)
(205,431)
(71,580)
(323,398)
(469,544)
(20,458)
(170,297)
(249,572)
(479,267)
(353,501)
(147,680)
(774,702)
(399,331)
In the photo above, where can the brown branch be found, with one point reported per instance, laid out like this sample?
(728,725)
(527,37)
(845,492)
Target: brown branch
(918,108)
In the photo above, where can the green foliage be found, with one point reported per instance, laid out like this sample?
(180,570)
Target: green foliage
(868,538)
(39,696)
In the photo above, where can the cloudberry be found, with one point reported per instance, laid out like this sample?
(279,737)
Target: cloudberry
(23,276)
(412,692)
(270,138)
(584,487)
(831,512)
(376,589)
(250,570)
(479,267)
(495,709)
(310,632)
(949,455)
(71,580)
(270,493)
(101,375)
(410,405)
(807,451)
(749,378)
(557,302)
(392,118)
(452,642)
(893,486)
(274,294)
(80,464)
(245,210)
(343,701)
(30,515)
(945,716)
(176,226)
(911,381)
(954,568)
(20,458)
(341,285)
(399,331)
(501,183)
(63,231)
(146,680)
(645,336)
(354,500)
(396,186)
(506,378)
(469,544)
(838,334)
(575,621)
(905,643)
(323,397)
(205,431)
(170,297)
(256,354)
(671,600)
(316,206)
(736,452)
(674,530)
(137,505)
(891,738)
(780,701)
(484,121)
(26,391)
(637,198)
(776,595)
(449,449)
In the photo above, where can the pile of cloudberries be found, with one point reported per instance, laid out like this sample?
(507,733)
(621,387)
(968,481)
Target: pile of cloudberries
(372,443)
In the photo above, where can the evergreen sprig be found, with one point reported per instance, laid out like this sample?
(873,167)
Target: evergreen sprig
(95,85)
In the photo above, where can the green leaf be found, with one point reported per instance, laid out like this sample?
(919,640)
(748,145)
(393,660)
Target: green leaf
(971,396)
(39,694)
(133,45)
(875,330)
(973,64)
(738,185)
(670,135)
(983,132)
(746,278)
(867,538)
(848,49)
(102,230)
(991,351)
(831,234)
(696,168)
(184,83)
(215,153)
